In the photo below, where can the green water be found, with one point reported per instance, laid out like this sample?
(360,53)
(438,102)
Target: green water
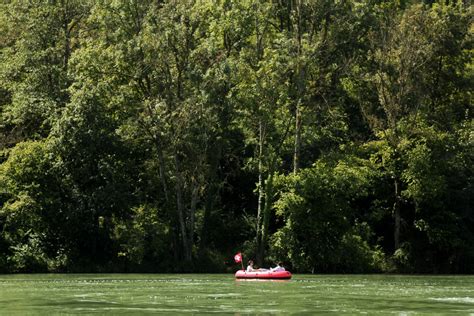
(221,294)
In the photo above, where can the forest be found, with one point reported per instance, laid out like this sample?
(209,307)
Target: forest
(336,136)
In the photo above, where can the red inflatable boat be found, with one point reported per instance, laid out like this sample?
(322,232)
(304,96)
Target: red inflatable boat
(242,274)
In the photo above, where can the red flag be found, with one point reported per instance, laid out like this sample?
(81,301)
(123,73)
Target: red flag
(238,258)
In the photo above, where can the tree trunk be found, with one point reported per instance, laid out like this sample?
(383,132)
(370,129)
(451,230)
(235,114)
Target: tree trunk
(180,207)
(192,212)
(266,216)
(397,216)
(297,148)
(162,169)
(67,44)
(300,90)
(211,195)
(260,194)
(171,214)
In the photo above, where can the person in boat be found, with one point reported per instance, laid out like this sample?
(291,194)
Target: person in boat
(279,267)
(250,268)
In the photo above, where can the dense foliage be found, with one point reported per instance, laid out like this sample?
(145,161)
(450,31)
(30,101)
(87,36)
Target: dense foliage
(140,135)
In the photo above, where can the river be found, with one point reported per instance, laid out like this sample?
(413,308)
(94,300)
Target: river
(49,294)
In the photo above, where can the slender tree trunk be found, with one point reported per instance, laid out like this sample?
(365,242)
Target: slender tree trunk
(266,215)
(67,45)
(171,214)
(192,215)
(162,169)
(209,204)
(300,90)
(260,194)
(180,207)
(211,195)
(297,148)
(397,216)
(289,8)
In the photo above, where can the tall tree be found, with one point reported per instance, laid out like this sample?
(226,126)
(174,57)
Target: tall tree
(35,59)
(260,68)
(396,71)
